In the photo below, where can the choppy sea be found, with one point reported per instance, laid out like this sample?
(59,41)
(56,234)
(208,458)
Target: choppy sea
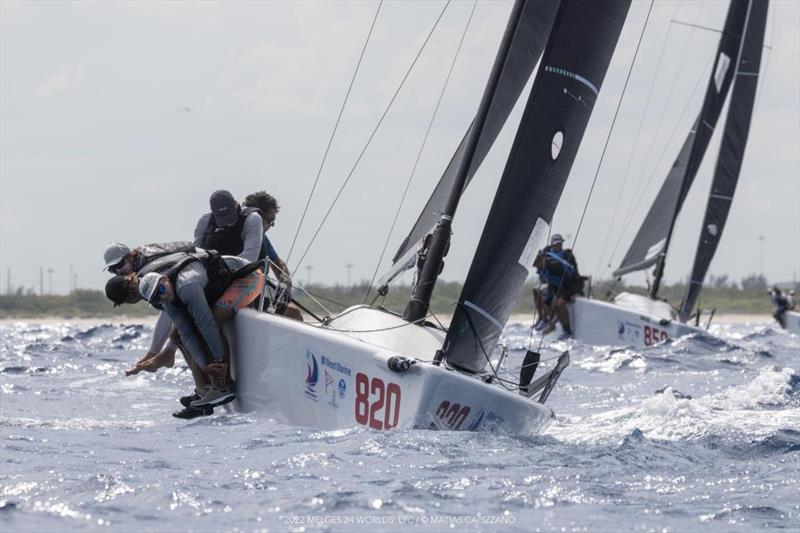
(692,435)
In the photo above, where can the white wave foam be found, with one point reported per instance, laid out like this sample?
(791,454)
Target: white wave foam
(737,410)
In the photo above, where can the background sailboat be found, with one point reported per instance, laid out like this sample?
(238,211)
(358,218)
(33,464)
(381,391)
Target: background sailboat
(643,321)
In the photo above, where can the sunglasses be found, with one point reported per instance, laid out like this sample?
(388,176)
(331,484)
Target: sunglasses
(159,293)
(118,266)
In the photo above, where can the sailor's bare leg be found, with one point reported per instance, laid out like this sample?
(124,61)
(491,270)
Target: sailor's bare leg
(562,312)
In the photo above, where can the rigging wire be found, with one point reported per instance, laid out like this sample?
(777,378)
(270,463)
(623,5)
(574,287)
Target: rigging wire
(766,60)
(421,149)
(635,144)
(632,207)
(333,133)
(371,136)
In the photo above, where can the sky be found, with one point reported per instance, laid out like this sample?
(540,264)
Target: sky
(118,120)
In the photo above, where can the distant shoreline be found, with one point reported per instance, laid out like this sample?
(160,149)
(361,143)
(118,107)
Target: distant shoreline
(521,318)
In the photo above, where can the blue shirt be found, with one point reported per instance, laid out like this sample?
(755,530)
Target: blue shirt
(267,250)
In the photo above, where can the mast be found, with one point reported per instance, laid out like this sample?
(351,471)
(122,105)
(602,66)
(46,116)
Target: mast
(731,152)
(417,307)
(561,102)
(652,241)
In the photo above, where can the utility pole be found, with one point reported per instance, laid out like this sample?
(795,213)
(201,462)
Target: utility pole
(309,268)
(761,255)
(71,279)
(50,281)
(41,281)
(349,268)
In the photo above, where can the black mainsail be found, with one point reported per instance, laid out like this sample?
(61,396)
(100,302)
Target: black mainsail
(651,243)
(564,92)
(527,43)
(731,153)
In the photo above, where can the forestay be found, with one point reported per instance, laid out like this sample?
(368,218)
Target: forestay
(651,242)
(731,153)
(526,48)
(564,92)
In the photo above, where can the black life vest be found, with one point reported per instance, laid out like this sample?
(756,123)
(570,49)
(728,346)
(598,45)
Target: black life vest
(220,276)
(226,240)
(151,252)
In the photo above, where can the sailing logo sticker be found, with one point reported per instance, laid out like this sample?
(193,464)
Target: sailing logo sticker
(342,389)
(312,376)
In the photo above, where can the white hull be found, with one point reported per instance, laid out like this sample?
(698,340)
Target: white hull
(792,322)
(330,379)
(609,324)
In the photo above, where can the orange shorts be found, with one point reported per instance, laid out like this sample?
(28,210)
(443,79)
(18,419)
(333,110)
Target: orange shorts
(242,291)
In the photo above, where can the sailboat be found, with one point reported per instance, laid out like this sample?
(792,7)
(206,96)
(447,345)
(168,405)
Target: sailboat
(374,368)
(642,321)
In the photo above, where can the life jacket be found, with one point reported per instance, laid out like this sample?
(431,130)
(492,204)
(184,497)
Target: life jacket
(557,270)
(220,276)
(227,240)
(151,252)
(162,264)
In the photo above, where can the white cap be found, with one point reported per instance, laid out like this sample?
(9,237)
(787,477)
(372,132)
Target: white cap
(148,285)
(114,254)
(556,238)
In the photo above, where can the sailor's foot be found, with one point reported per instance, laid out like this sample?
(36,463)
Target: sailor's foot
(186,400)
(550,328)
(189,412)
(214,397)
(138,367)
(163,359)
(539,324)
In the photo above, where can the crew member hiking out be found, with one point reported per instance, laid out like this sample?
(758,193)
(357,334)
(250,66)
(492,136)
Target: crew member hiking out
(129,265)
(229,229)
(780,304)
(184,293)
(560,270)
(267,206)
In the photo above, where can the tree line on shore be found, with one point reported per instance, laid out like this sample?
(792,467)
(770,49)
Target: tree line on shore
(747,296)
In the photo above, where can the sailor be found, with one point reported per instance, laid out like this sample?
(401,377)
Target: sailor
(122,260)
(780,304)
(184,294)
(267,207)
(563,279)
(154,257)
(229,229)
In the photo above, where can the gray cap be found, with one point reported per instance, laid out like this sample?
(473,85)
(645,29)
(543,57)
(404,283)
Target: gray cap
(556,239)
(148,285)
(224,208)
(114,253)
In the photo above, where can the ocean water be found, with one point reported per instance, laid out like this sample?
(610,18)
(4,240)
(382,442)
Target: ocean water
(689,436)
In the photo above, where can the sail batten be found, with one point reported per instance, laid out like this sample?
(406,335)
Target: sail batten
(660,219)
(556,115)
(731,152)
